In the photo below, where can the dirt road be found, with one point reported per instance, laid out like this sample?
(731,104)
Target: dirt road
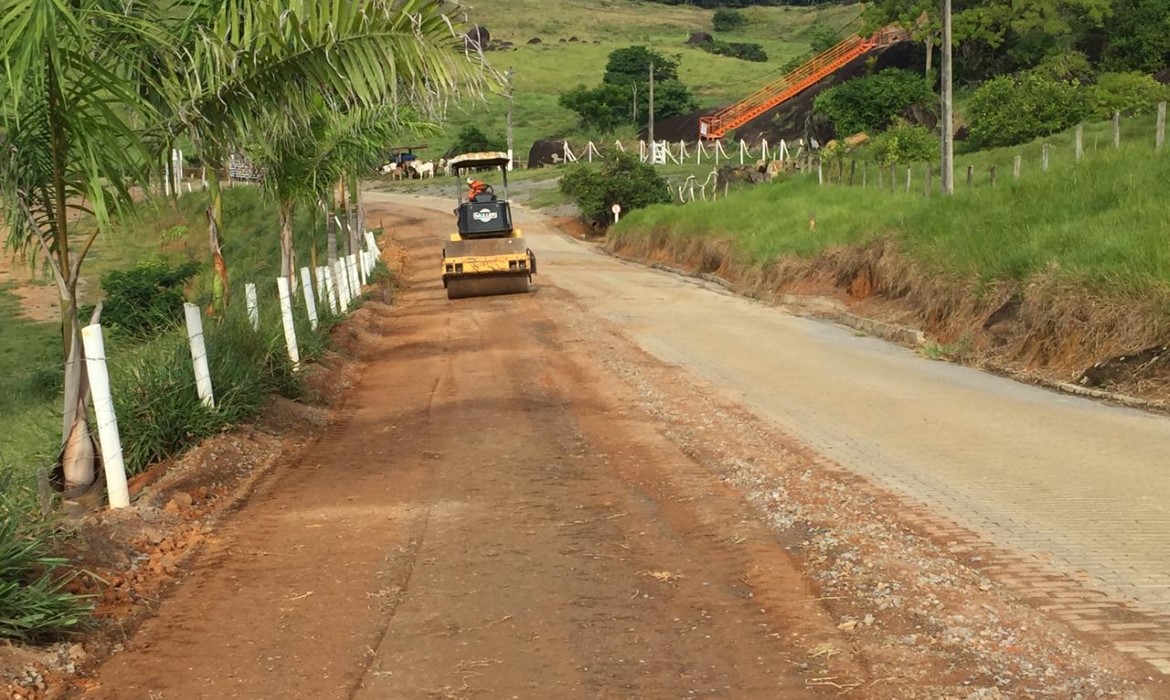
(520,502)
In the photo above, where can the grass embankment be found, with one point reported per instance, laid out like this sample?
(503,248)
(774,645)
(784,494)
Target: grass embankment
(147,374)
(545,70)
(1075,260)
(158,409)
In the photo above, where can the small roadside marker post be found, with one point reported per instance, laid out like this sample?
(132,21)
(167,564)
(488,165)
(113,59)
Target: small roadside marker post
(617,212)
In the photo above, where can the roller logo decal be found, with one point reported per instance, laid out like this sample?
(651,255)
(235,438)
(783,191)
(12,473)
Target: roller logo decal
(485,215)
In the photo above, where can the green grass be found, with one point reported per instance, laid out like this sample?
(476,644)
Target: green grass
(30,351)
(1102,223)
(545,70)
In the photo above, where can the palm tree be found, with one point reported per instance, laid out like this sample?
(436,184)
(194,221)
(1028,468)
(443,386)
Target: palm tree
(301,165)
(255,62)
(69,102)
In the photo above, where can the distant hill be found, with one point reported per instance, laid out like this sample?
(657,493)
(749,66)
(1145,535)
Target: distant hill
(558,44)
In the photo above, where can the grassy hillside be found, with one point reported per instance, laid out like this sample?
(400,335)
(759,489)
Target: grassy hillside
(1101,223)
(30,366)
(545,70)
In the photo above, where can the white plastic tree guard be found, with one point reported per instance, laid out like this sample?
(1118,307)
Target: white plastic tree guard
(253,305)
(103,406)
(199,354)
(310,299)
(355,280)
(286,315)
(372,245)
(330,292)
(341,279)
(319,274)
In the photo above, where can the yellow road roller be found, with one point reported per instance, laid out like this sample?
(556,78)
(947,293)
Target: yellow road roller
(486,256)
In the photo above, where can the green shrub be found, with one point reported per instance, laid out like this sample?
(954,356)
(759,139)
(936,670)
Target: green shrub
(871,103)
(1129,93)
(601,108)
(744,52)
(727,20)
(623,179)
(823,37)
(1014,109)
(472,139)
(904,143)
(34,603)
(146,298)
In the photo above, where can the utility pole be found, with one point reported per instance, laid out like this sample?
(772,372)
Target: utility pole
(509,76)
(948,121)
(651,129)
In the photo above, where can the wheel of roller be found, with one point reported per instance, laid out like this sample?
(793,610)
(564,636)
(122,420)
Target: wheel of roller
(467,287)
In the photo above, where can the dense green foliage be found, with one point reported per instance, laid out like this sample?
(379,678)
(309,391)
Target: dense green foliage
(623,179)
(823,37)
(903,143)
(997,37)
(472,139)
(1128,93)
(871,103)
(34,603)
(1012,109)
(742,51)
(727,20)
(623,97)
(146,298)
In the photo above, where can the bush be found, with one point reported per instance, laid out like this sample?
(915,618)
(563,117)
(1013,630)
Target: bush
(472,140)
(1130,93)
(744,52)
(602,108)
(146,298)
(158,408)
(624,95)
(904,143)
(727,20)
(1014,109)
(623,179)
(34,605)
(823,37)
(871,103)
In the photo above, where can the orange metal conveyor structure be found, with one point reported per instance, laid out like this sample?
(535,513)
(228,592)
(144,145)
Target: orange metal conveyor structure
(717,125)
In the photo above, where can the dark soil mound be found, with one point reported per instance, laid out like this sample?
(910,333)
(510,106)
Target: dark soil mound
(699,38)
(535,40)
(546,152)
(684,127)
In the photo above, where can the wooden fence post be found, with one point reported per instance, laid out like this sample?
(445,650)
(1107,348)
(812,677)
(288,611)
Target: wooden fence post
(992,173)
(893,177)
(970,175)
(852,171)
(1080,142)
(820,172)
(881,183)
(1116,129)
(909,177)
(1017,164)
(864,174)
(929,178)
(1160,136)
(1044,158)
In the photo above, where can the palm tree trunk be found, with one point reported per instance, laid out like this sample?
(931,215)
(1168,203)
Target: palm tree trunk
(330,235)
(286,243)
(77,463)
(219,283)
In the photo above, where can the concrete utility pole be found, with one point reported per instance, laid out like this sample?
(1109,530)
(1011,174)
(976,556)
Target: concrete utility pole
(509,76)
(651,129)
(948,121)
